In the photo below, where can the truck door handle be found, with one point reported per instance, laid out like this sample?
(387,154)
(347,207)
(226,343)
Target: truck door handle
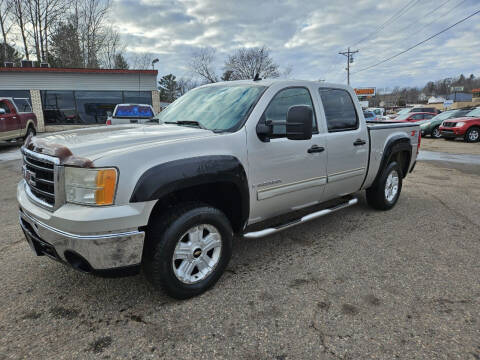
(315,149)
(359,142)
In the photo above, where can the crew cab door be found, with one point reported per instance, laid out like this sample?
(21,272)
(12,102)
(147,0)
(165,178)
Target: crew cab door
(9,122)
(285,174)
(347,142)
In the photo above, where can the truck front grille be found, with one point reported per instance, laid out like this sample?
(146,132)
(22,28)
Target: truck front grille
(39,175)
(449,124)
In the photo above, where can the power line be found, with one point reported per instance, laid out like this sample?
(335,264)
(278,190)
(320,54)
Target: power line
(391,19)
(420,43)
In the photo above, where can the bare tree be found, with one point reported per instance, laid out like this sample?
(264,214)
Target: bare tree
(202,64)
(185,85)
(246,63)
(141,61)
(20,19)
(5,24)
(111,48)
(90,16)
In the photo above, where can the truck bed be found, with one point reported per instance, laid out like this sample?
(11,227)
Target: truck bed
(380,134)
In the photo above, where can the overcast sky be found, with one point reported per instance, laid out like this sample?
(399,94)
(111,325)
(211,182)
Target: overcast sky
(307,35)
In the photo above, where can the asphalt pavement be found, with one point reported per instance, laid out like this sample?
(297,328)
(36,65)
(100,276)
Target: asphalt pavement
(358,284)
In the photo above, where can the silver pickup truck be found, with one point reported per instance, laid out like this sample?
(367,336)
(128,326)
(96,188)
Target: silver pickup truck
(246,158)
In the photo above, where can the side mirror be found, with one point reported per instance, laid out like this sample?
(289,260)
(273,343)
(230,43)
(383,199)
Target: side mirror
(2,111)
(299,122)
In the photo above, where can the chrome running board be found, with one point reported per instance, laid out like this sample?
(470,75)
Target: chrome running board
(303,219)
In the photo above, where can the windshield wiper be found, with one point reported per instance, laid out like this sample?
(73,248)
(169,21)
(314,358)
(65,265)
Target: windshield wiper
(188,123)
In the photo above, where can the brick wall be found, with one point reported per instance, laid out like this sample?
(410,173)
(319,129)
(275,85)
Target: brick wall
(37,109)
(156,100)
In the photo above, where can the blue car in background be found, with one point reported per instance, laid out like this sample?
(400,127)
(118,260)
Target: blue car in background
(369,116)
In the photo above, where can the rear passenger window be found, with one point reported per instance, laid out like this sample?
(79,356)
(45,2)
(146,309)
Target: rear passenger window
(339,110)
(417,117)
(278,108)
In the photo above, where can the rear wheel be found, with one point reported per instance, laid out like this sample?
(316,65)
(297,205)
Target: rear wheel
(436,133)
(473,134)
(187,251)
(384,195)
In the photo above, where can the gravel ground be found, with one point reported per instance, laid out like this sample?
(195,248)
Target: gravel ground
(354,285)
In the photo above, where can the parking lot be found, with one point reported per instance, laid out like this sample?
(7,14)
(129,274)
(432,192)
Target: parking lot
(354,285)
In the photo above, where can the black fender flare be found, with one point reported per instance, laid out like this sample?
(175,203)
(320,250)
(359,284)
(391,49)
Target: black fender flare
(172,176)
(394,145)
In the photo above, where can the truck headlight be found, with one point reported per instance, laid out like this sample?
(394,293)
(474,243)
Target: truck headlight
(90,186)
(459,124)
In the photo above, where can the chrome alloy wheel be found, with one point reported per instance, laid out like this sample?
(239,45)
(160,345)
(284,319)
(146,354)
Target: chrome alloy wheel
(473,135)
(391,186)
(436,133)
(197,253)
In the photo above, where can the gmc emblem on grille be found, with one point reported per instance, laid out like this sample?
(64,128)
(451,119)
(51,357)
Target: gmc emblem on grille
(30,177)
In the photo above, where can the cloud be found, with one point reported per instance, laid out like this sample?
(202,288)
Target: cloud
(307,35)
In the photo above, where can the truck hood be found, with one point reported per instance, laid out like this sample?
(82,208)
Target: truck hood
(95,142)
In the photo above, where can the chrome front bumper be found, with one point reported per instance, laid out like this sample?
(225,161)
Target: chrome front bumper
(101,251)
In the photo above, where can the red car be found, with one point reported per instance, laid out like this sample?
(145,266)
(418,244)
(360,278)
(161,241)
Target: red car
(467,127)
(16,119)
(414,117)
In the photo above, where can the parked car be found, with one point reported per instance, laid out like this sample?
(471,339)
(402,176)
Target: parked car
(425,109)
(369,116)
(379,111)
(250,158)
(16,119)
(131,114)
(413,117)
(432,127)
(467,127)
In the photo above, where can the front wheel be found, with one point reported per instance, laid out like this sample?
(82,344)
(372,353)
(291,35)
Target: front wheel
(472,135)
(187,251)
(30,132)
(384,195)
(436,133)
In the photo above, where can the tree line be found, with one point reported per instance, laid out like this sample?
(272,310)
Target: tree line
(63,33)
(400,96)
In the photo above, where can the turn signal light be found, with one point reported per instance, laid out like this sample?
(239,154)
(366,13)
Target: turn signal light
(106,183)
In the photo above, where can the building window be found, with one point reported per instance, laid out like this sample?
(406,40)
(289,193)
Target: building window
(21,98)
(137,97)
(59,107)
(86,107)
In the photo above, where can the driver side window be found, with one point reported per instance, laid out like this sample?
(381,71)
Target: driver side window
(278,108)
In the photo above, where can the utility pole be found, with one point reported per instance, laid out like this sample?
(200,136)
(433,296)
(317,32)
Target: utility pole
(349,55)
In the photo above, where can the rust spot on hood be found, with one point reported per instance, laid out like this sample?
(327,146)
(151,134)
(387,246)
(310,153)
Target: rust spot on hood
(60,151)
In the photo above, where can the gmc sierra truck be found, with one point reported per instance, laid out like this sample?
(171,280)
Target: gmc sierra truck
(245,158)
(17,121)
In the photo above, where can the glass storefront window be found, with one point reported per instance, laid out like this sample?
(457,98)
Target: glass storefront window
(86,107)
(59,107)
(21,98)
(137,97)
(92,106)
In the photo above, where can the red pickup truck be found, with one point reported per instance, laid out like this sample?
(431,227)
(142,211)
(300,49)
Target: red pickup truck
(467,127)
(16,119)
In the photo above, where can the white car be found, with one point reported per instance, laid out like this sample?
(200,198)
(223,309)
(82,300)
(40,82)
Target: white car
(132,114)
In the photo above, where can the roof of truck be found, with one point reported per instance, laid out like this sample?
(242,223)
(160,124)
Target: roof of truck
(269,82)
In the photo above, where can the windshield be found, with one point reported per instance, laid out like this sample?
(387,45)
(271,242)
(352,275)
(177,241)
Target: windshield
(444,116)
(404,111)
(474,113)
(137,111)
(214,107)
(402,117)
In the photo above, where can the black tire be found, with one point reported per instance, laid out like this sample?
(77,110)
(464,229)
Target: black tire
(473,134)
(162,237)
(435,134)
(376,196)
(30,131)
